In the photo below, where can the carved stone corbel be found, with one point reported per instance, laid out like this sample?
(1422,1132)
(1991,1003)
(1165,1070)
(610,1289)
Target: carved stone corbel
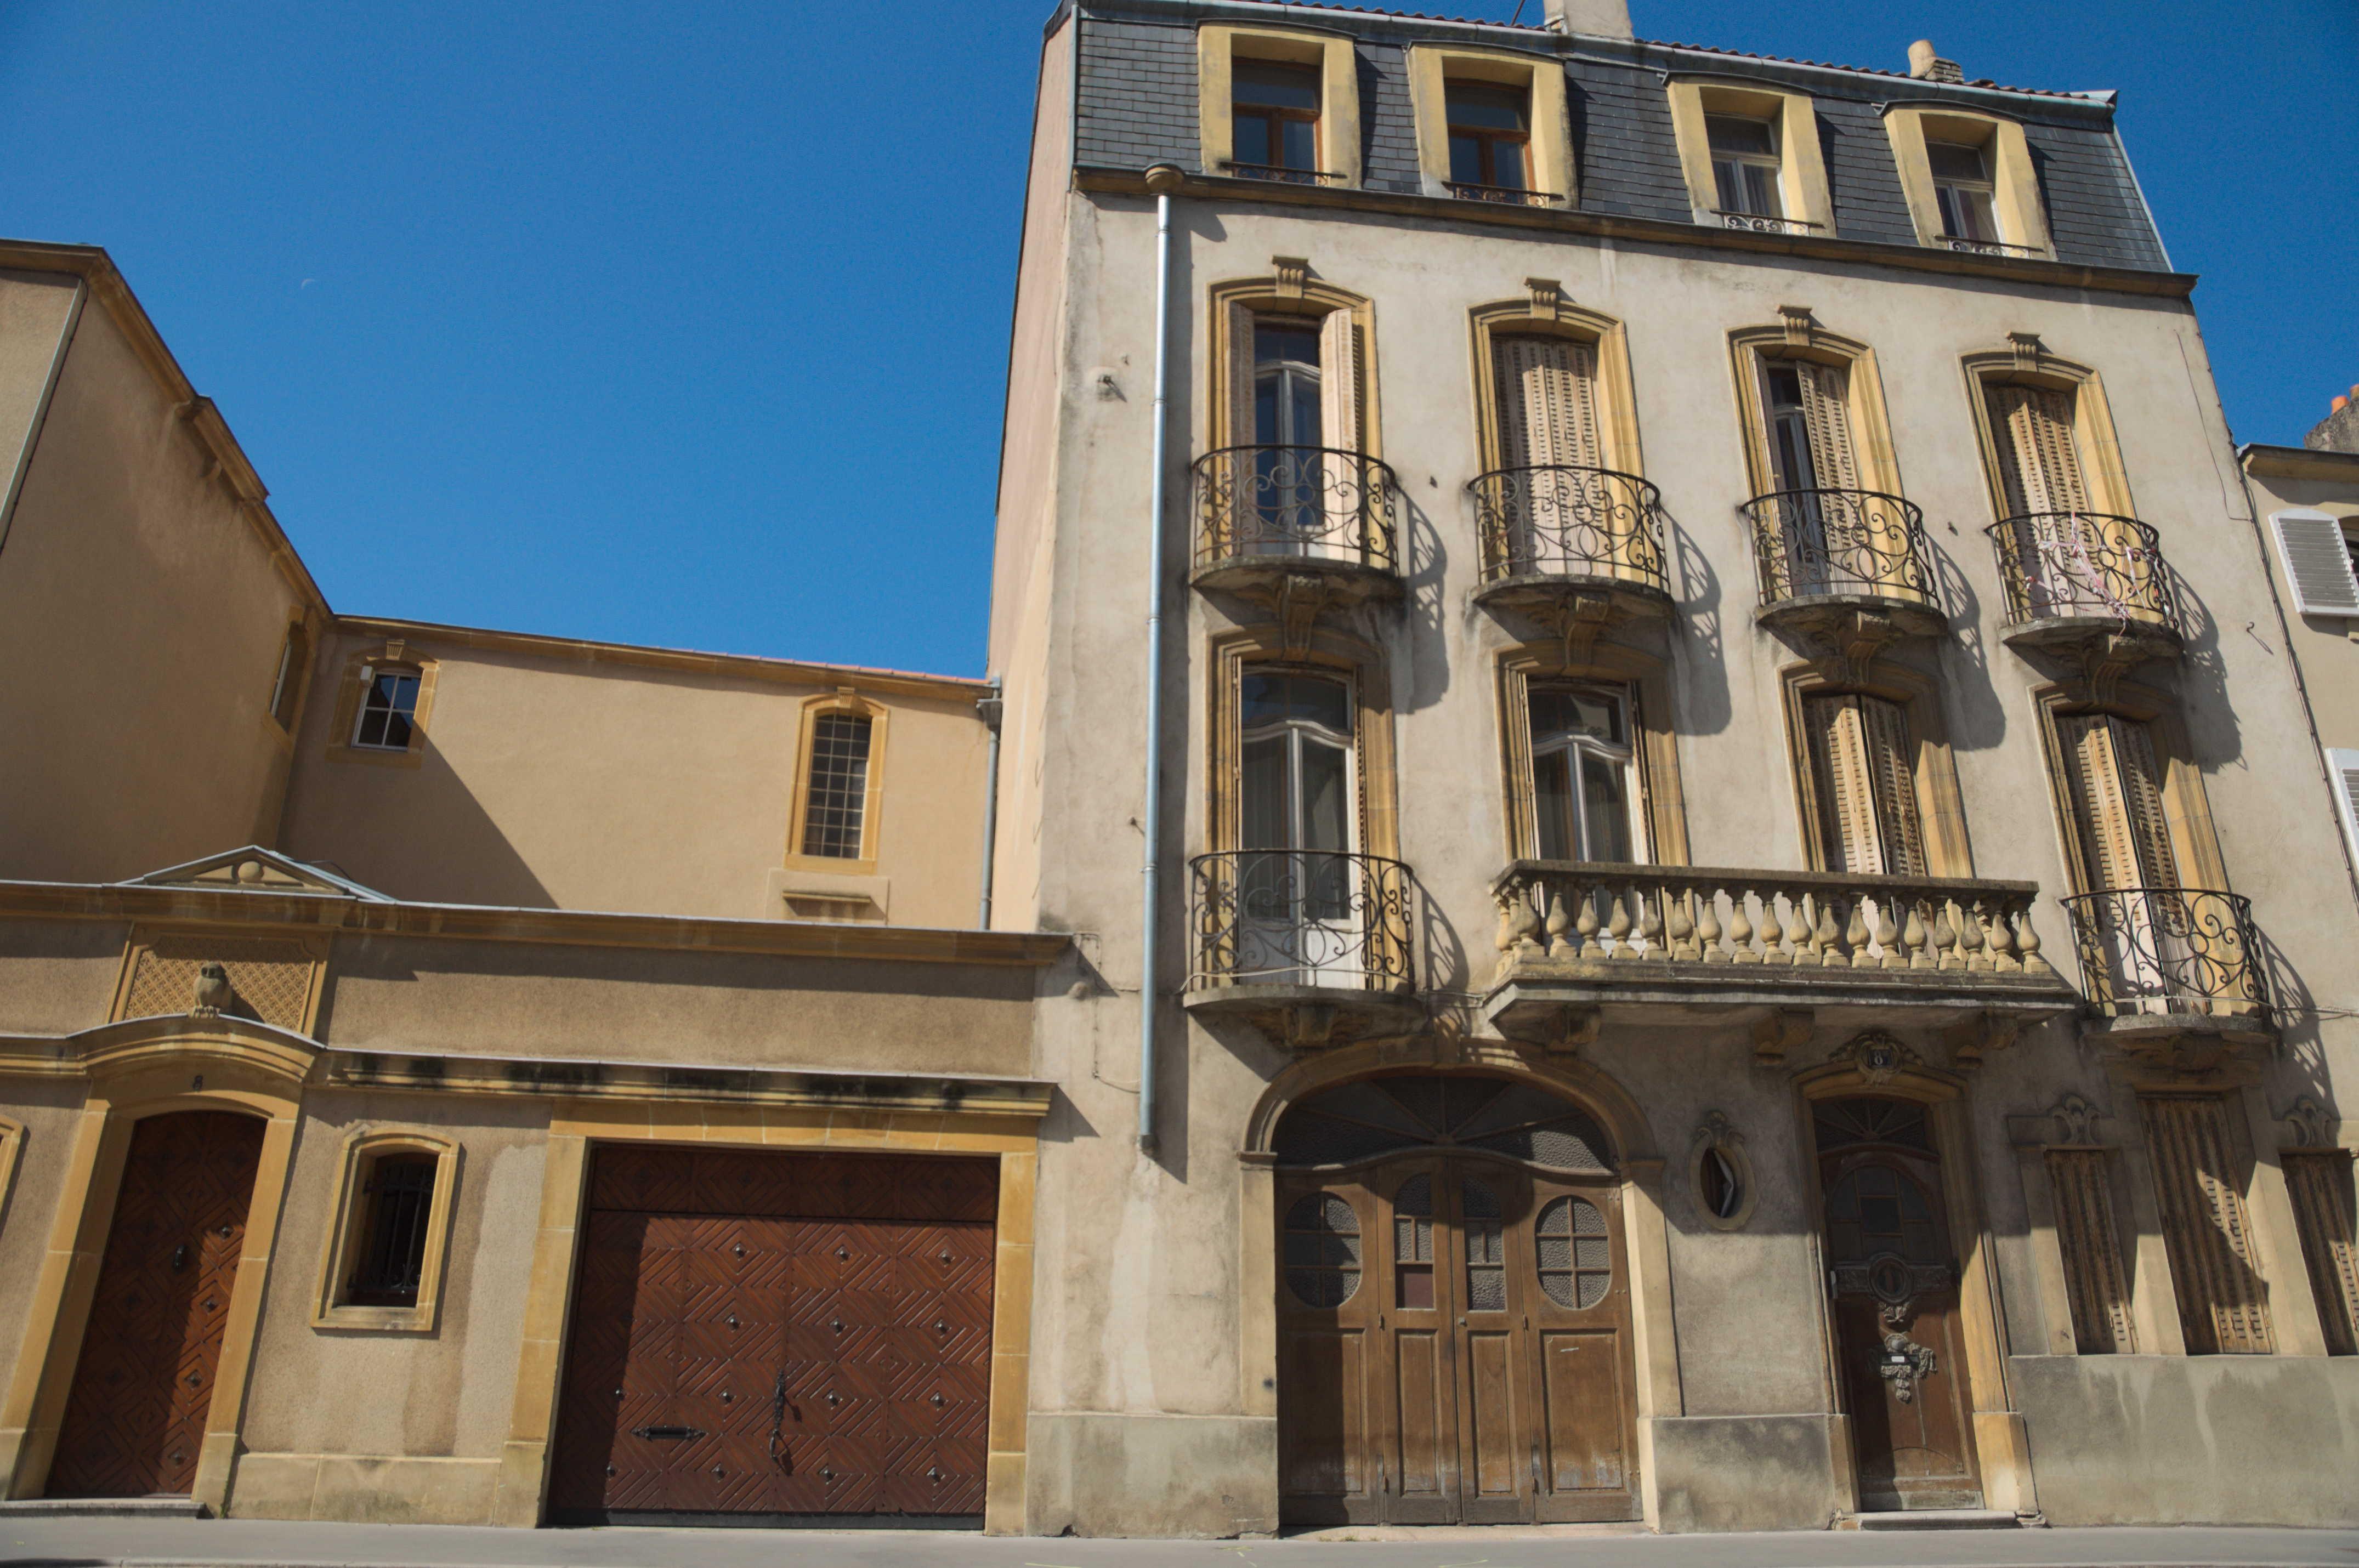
(1300,599)
(2310,1125)
(2105,660)
(1292,272)
(2027,349)
(1879,1058)
(1984,1031)
(1798,323)
(1579,620)
(2076,1122)
(1849,636)
(1784,1030)
(1548,298)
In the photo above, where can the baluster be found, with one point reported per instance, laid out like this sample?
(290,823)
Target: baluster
(1970,935)
(1912,936)
(2002,941)
(1524,925)
(1653,919)
(1823,935)
(1796,935)
(1945,938)
(1585,923)
(1508,903)
(1740,925)
(1618,927)
(1558,923)
(1706,946)
(1856,933)
(2027,943)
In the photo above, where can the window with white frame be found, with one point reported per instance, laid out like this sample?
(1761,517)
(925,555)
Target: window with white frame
(388,713)
(1745,165)
(1963,190)
(1584,787)
(2321,566)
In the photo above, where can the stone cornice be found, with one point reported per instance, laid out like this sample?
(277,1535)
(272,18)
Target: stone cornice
(2263,461)
(569,927)
(788,672)
(2021,272)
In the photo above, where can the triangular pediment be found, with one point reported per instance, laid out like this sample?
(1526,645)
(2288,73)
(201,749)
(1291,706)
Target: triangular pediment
(257,869)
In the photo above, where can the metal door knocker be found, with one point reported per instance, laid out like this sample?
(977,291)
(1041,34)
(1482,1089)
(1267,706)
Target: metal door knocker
(1904,1364)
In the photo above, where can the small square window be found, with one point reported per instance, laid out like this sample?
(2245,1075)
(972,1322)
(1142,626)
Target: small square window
(1275,120)
(388,717)
(1490,136)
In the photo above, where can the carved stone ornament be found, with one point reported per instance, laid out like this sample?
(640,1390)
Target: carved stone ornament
(1301,599)
(1878,1056)
(213,992)
(1293,273)
(1716,1132)
(1787,1029)
(2076,1120)
(1904,1364)
(2311,1124)
(2027,348)
(1579,618)
(1548,297)
(1795,319)
(1893,1281)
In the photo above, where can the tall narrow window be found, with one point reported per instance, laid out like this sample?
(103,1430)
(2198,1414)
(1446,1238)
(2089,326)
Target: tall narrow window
(2038,462)
(2092,1259)
(1286,383)
(1484,1234)
(1809,415)
(1745,165)
(2223,1307)
(1490,139)
(293,654)
(837,796)
(2116,787)
(400,1193)
(1547,392)
(1274,117)
(388,716)
(1582,794)
(1862,776)
(2319,1183)
(1298,884)
(1963,190)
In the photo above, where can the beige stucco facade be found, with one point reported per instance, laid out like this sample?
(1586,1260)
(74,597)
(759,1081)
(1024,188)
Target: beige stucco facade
(574,912)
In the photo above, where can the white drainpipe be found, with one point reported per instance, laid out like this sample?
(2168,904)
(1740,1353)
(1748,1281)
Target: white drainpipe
(1160,179)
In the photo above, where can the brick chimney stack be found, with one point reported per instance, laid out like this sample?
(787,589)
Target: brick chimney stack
(1593,18)
(1926,65)
(2339,431)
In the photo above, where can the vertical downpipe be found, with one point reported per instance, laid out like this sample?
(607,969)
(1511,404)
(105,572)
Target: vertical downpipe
(1160,179)
(991,710)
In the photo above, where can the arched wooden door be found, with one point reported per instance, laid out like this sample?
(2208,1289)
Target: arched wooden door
(1453,1308)
(1894,1272)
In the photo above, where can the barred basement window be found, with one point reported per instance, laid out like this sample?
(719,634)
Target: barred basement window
(839,786)
(2093,1261)
(2224,1305)
(400,1193)
(2321,1186)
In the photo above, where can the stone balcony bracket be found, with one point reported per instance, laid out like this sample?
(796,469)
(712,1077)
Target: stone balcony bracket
(1308,1018)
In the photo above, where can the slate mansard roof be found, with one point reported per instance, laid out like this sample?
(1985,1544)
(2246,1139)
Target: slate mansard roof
(1134,104)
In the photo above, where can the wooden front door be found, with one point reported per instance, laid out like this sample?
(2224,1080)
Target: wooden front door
(766,1337)
(1454,1345)
(135,1419)
(1894,1272)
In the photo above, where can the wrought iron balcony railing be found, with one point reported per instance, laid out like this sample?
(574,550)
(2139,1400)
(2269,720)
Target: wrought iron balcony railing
(1762,224)
(2061,565)
(1313,918)
(1505,195)
(1988,247)
(1313,503)
(1559,520)
(1282,174)
(1811,543)
(1577,913)
(2170,951)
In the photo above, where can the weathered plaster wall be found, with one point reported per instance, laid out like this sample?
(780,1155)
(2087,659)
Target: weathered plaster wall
(58,976)
(50,1113)
(142,616)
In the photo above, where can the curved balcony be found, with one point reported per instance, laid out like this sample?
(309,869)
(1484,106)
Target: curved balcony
(1311,945)
(1552,533)
(1837,554)
(2074,578)
(2164,961)
(1268,513)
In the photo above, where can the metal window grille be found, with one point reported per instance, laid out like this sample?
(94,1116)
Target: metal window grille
(838,786)
(400,1192)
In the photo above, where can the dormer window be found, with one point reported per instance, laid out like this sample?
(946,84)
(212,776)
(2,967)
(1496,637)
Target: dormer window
(1275,121)
(1490,140)
(1963,191)
(1745,166)
(388,714)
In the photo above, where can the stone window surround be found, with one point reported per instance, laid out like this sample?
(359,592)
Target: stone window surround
(2030,364)
(1432,67)
(1801,163)
(1293,292)
(1220,44)
(1800,338)
(339,1247)
(1941,805)
(2022,217)
(1544,312)
(1653,731)
(351,687)
(843,699)
(1328,653)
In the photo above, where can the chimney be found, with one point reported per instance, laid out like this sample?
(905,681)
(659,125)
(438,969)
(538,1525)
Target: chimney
(1592,18)
(1927,66)
(2339,431)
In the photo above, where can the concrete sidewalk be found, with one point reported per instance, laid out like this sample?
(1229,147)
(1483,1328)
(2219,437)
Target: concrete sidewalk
(219,1543)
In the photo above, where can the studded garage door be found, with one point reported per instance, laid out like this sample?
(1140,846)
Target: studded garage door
(779,1339)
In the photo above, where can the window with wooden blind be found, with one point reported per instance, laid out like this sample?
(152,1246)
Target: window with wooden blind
(1546,395)
(2093,1274)
(2199,1184)
(2318,1181)
(1806,410)
(2316,552)
(1326,352)
(1861,785)
(2038,459)
(2120,835)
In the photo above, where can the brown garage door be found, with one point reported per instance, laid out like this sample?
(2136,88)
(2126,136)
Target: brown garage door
(779,1339)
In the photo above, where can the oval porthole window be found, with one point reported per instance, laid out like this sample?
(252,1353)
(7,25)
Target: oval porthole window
(1719,1185)
(1323,1251)
(1722,1174)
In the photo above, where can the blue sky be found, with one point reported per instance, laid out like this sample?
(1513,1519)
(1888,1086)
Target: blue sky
(593,319)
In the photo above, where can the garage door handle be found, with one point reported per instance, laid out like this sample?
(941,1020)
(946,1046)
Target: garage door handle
(777,1410)
(670,1431)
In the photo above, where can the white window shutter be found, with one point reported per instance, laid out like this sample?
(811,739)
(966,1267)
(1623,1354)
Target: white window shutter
(2317,563)
(2343,767)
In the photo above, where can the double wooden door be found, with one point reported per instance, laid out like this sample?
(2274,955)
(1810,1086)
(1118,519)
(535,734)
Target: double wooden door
(778,1338)
(135,1420)
(1454,1345)
(1898,1325)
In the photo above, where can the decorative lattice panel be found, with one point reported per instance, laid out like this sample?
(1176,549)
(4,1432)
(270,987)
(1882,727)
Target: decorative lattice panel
(270,979)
